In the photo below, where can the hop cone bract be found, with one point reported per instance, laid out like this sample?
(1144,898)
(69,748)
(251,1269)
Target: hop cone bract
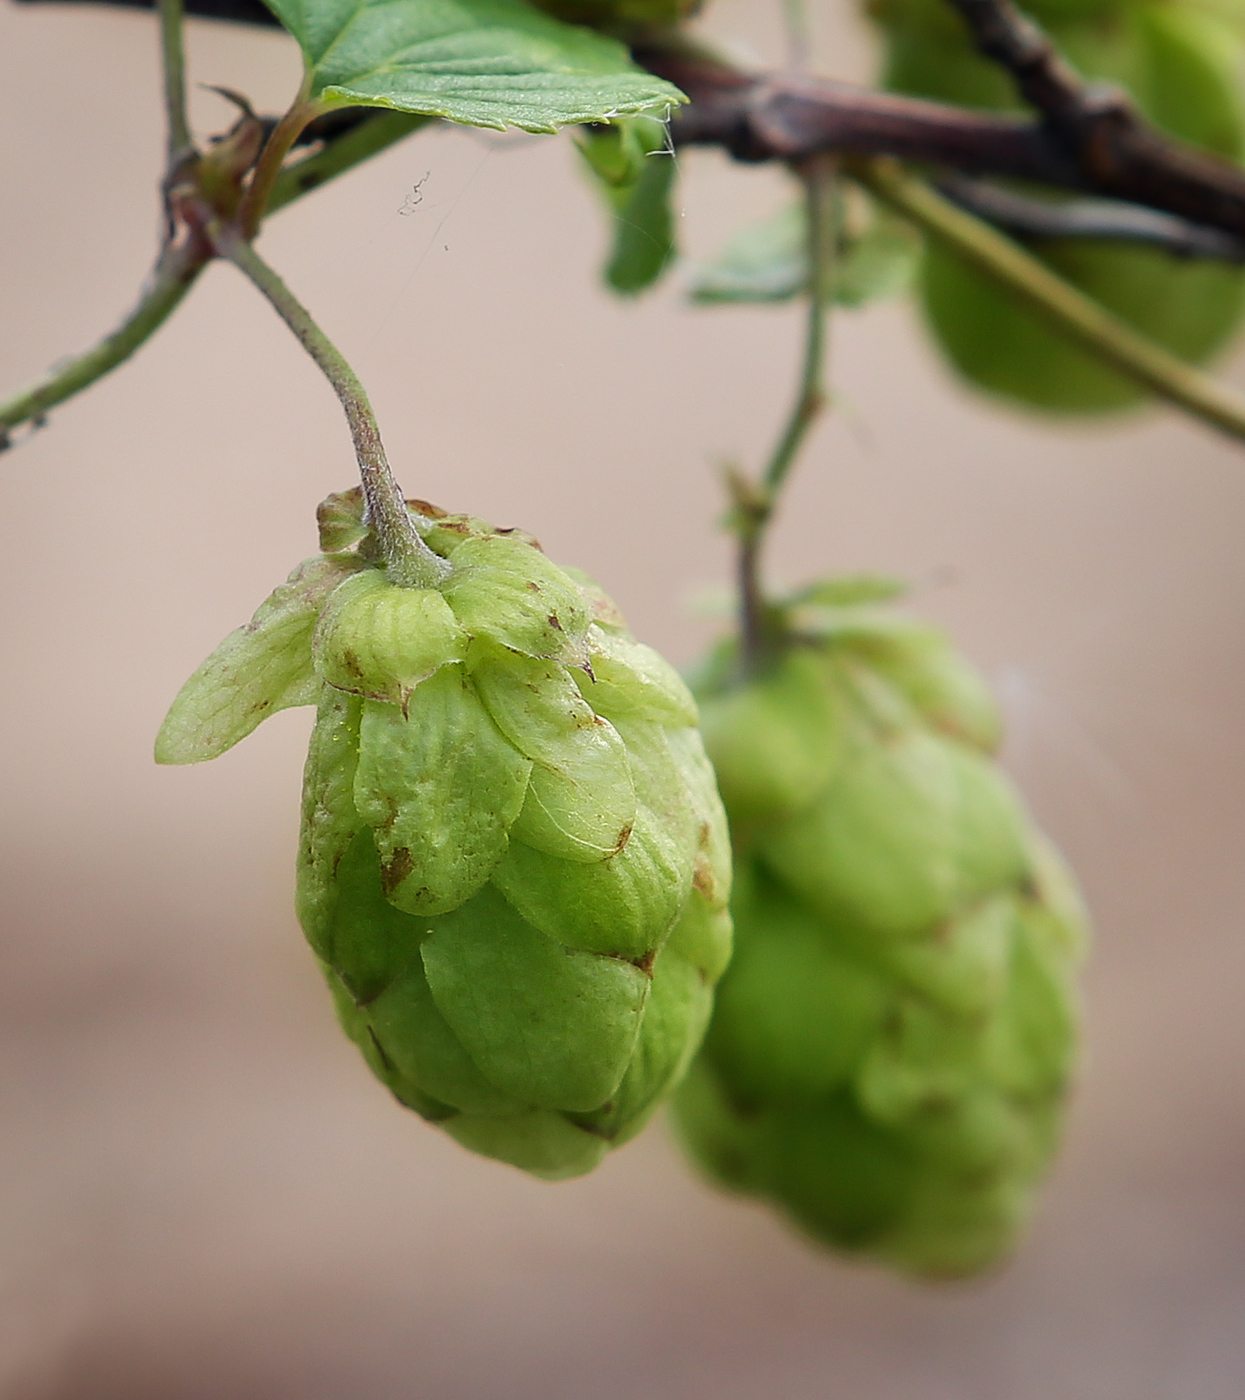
(892,1043)
(514,866)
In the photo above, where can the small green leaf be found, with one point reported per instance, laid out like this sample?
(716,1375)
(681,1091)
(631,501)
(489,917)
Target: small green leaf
(507,592)
(553,1026)
(630,680)
(624,906)
(762,262)
(768,262)
(846,591)
(581,801)
(257,670)
(440,786)
(636,168)
(882,262)
(493,63)
(378,640)
(541,1142)
(678,1010)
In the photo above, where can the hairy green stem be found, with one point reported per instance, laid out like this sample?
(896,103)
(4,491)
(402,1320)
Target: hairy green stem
(408,559)
(756,502)
(173,55)
(268,168)
(172,278)
(179,266)
(1100,331)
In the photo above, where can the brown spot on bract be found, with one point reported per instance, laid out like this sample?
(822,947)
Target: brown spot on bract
(554,623)
(703,880)
(533,585)
(705,832)
(645,964)
(623,837)
(428,509)
(395,870)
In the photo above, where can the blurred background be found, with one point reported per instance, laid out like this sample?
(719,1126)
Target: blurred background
(203,1192)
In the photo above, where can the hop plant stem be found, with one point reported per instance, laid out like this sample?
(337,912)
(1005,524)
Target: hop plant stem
(1093,326)
(408,559)
(755,503)
(173,55)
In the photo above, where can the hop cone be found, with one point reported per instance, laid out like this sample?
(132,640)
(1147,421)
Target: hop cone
(514,865)
(891,1046)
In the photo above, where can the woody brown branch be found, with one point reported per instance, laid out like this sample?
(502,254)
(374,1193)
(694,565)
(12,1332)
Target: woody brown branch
(1099,146)
(1088,138)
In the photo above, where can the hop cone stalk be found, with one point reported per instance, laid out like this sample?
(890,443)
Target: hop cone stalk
(514,866)
(891,1047)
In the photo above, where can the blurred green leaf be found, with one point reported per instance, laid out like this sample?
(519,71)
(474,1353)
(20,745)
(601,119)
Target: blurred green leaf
(636,169)
(493,63)
(762,262)
(847,591)
(881,262)
(768,262)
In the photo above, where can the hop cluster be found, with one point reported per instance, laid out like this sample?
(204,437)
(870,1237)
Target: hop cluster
(514,865)
(892,1043)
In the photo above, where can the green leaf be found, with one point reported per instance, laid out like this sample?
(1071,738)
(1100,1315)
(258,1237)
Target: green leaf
(762,262)
(257,670)
(768,262)
(553,1026)
(636,168)
(881,262)
(440,786)
(624,906)
(507,592)
(494,63)
(846,591)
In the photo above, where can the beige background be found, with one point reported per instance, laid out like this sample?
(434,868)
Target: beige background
(202,1191)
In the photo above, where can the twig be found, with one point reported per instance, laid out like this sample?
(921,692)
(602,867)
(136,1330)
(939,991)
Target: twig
(172,278)
(268,168)
(755,502)
(173,55)
(1089,218)
(775,117)
(1098,330)
(179,265)
(1116,151)
(409,560)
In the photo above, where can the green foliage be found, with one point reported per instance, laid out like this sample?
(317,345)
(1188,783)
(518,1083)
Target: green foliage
(1181,65)
(892,1043)
(492,63)
(635,168)
(768,262)
(517,887)
(627,18)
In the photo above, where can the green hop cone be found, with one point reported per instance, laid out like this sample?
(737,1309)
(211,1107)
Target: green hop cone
(514,866)
(892,1044)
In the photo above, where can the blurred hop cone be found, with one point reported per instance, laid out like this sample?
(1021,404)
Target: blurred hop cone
(514,866)
(892,1045)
